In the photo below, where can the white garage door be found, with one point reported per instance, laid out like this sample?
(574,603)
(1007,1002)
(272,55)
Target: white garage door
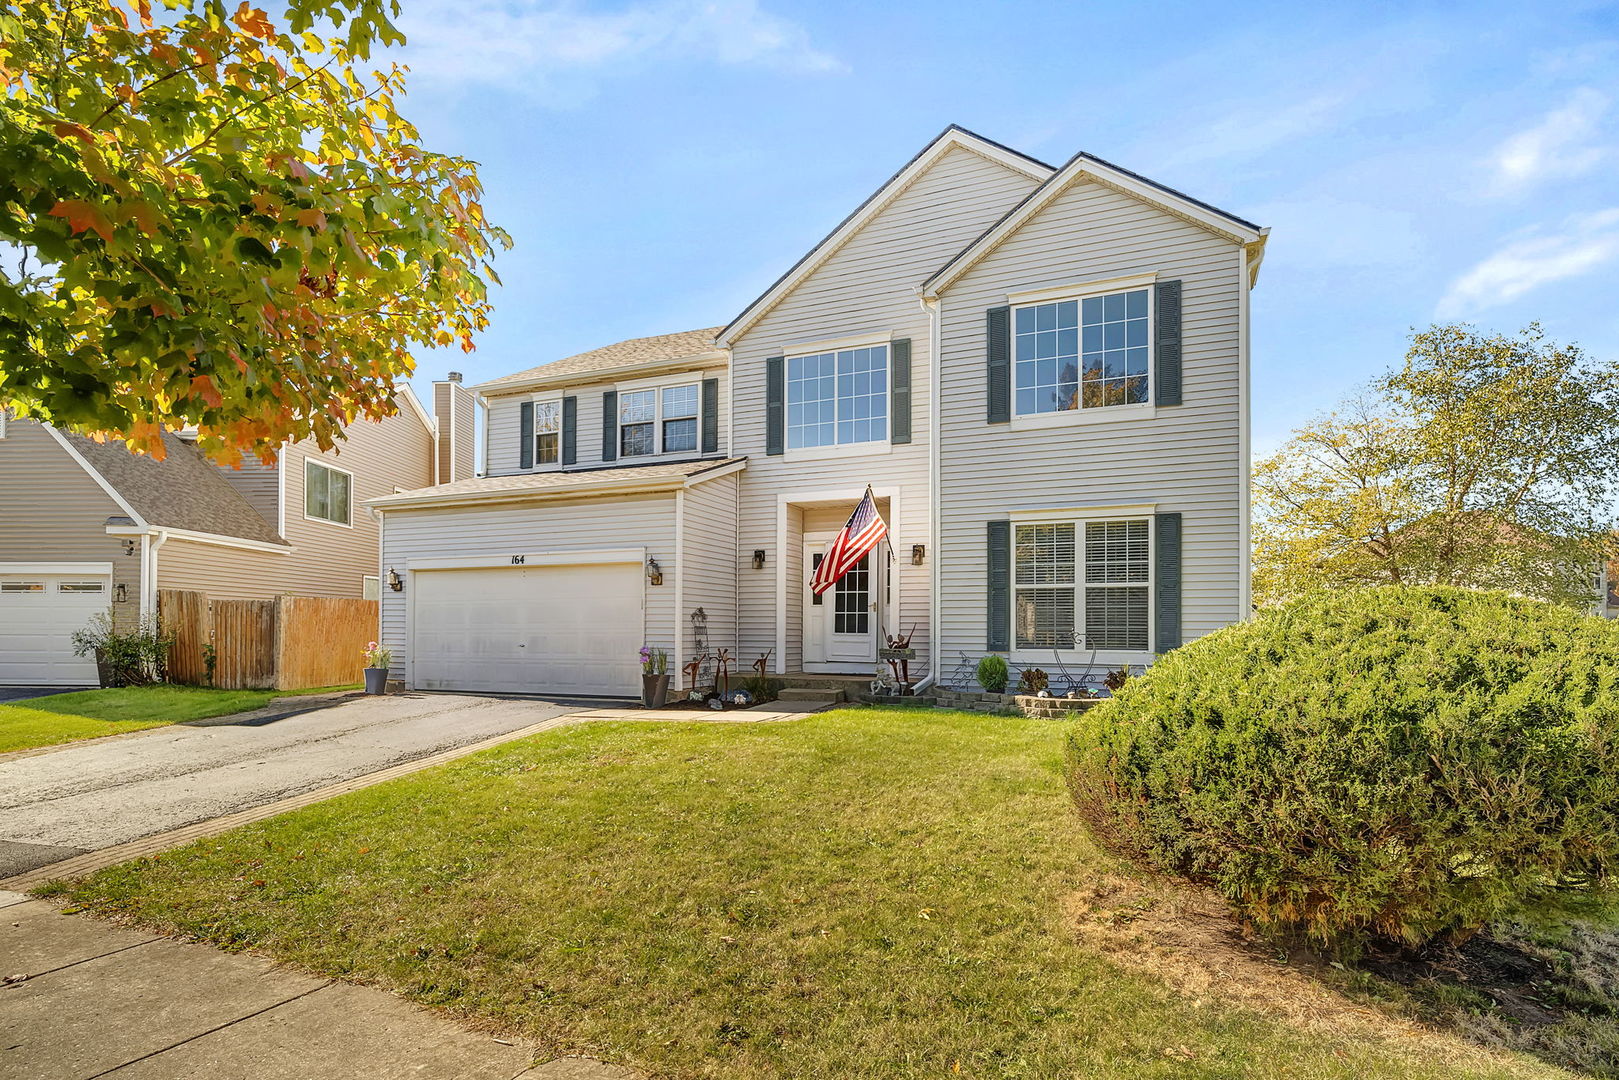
(528,629)
(38,614)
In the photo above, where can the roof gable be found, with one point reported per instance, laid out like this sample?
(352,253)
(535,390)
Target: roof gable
(1082,168)
(953,137)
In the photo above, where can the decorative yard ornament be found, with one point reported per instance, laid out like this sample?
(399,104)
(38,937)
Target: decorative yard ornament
(762,665)
(722,673)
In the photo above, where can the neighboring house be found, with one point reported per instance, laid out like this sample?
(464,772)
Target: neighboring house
(90,526)
(1041,372)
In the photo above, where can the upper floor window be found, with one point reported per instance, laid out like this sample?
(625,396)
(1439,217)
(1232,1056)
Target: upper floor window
(835,398)
(1089,353)
(1092,577)
(547,432)
(661,420)
(327,493)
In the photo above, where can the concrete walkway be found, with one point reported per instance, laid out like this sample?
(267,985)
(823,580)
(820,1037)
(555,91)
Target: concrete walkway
(82,1000)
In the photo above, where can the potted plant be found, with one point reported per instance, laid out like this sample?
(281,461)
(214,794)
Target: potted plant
(377,662)
(654,677)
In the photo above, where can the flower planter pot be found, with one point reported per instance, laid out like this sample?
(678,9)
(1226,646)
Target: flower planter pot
(654,691)
(376,680)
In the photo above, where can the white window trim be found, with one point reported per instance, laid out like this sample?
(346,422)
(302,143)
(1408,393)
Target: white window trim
(657,387)
(1144,410)
(1041,657)
(883,445)
(849,341)
(538,400)
(312,460)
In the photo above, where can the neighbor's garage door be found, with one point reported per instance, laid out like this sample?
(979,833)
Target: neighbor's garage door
(528,629)
(38,614)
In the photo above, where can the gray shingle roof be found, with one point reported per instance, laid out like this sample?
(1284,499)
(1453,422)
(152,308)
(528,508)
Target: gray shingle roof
(644,350)
(558,483)
(183,491)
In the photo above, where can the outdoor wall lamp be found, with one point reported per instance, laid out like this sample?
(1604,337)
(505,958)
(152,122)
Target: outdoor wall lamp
(919,552)
(654,572)
(120,595)
(758,558)
(394,581)
(129,547)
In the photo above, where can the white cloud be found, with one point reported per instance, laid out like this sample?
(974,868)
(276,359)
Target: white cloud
(1562,144)
(1585,242)
(546,47)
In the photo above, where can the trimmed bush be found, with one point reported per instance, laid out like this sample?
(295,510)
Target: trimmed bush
(1402,762)
(993,673)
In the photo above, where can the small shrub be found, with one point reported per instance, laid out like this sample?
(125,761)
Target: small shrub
(1032,680)
(131,657)
(763,688)
(1117,677)
(1410,763)
(993,673)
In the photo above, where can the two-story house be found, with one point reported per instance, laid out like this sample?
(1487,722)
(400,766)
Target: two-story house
(1040,372)
(89,526)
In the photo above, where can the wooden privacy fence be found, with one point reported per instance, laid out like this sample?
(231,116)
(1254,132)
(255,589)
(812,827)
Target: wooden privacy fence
(289,643)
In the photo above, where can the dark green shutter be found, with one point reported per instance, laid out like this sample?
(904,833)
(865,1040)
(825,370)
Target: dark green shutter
(899,391)
(570,431)
(610,425)
(998,363)
(1166,360)
(525,430)
(1167,579)
(711,416)
(775,405)
(998,637)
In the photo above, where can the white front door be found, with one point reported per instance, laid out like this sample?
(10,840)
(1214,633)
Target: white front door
(841,625)
(566,630)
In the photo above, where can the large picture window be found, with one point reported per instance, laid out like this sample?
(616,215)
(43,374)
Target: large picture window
(1082,354)
(327,493)
(837,398)
(1083,585)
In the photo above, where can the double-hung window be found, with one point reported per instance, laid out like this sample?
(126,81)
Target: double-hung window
(1082,354)
(1083,585)
(837,398)
(326,492)
(547,432)
(661,420)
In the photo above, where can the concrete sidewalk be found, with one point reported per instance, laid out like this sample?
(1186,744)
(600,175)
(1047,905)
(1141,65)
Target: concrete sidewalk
(83,999)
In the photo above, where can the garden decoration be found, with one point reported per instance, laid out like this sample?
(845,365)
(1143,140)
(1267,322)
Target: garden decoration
(739,699)
(654,677)
(722,671)
(1076,687)
(692,671)
(898,655)
(762,665)
(882,683)
(377,662)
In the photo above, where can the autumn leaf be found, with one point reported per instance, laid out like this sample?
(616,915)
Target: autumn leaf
(203,387)
(67,129)
(80,216)
(312,219)
(253,21)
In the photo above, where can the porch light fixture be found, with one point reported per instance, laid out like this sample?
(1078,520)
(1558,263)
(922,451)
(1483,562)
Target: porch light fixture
(654,572)
(395,583)
(129,547)
(120,595)
(758,558)
(919,552)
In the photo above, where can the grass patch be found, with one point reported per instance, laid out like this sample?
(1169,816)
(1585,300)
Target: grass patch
(90,714)
(873,893)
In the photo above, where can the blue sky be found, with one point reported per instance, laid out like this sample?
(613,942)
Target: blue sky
(660,162)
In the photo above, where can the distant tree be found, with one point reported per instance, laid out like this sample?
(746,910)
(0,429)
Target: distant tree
(1484,461)
(214,220)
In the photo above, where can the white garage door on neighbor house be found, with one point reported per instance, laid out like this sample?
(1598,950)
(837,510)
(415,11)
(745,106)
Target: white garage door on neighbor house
(40,606)
(553,629)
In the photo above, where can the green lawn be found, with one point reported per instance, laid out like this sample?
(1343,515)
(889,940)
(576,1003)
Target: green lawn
(862,893)
(89,714)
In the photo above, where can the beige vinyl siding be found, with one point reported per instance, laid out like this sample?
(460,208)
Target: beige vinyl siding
(867,286)
(230,573)
(505,424)
(1186,458)
(55,512)
(443,411)
(497,532)
(456,410)
(709,568)
(259,484)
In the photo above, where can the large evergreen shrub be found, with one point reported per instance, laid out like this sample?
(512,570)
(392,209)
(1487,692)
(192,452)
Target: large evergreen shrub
(1404,762)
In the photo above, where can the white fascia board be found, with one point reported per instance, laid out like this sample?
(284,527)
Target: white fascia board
(950,140)
(217,539)
(479,498)
(112,492)
(605,376)
(405,391)
(715,473)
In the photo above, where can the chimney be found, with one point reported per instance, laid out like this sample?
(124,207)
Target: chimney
(455,408)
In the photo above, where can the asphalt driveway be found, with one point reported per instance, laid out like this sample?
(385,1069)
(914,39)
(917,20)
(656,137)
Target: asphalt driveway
(102,792)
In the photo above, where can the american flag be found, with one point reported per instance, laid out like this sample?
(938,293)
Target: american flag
(863,531)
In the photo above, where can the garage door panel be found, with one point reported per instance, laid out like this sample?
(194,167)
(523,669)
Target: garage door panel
(533,629)
(38,615)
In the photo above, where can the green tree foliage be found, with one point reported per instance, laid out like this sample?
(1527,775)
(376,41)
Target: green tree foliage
(1485,461)
(218,220)
(1402,761)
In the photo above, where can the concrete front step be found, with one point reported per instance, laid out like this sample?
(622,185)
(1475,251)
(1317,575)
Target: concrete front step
(812,693)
